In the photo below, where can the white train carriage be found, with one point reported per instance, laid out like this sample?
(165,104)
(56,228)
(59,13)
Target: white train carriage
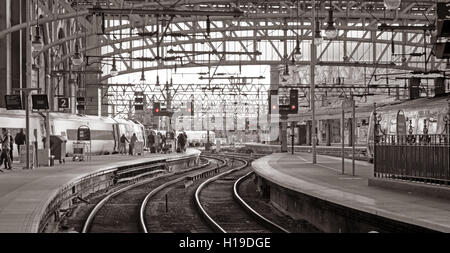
(14,120)
(105,131)
(103,140)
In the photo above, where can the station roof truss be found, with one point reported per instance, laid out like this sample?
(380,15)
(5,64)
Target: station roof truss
(132,33)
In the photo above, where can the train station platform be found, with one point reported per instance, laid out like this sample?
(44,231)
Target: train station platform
(27,195)
(336,202)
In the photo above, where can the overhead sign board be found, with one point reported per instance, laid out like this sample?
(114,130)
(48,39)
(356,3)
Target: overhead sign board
(13,102)
(63,103)
(40,102)
(443,10)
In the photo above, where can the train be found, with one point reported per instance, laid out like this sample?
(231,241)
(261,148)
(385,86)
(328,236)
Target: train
(105,131)
(416,115)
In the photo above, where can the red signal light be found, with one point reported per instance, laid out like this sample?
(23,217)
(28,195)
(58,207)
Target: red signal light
(157,110)
(274,107)
(189,109)
(293,107)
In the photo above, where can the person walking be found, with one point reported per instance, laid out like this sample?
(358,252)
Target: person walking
(20,140)
(122,147)
(6,147)
(132,143)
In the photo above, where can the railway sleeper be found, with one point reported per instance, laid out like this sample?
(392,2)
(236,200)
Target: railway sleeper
(191,179)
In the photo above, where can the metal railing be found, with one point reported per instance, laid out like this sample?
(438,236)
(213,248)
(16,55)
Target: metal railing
(414,157)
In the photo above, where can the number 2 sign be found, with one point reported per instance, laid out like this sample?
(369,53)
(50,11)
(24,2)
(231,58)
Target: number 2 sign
(63,103)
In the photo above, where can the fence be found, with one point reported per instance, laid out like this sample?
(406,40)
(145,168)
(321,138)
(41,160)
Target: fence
(419,158)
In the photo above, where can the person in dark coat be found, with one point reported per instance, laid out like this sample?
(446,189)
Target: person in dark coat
(11,144)
(185,140)
(6,146)
(20,140)
(122,147)
(132,143)
(181,142)
(151,140)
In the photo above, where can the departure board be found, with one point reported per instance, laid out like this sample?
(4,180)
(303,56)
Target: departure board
(13,102)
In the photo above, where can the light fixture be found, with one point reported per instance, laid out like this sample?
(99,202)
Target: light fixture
(37,42)
(330,30)
(317,35)
(208,27)
(114,71)
(392,4)
(157,80)
(142,76)
(77,60)
(297,52)
(286,72)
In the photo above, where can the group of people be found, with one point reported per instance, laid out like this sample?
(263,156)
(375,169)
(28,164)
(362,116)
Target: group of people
(159,142)
(131,144)
(7,146)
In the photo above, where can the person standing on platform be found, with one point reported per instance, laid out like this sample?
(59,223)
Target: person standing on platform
(2,158)
(181,142)
(185,141)
(151,142)
(132,142)
(20,140)
(122,147)
(158,142)
(11,144)
(6,147)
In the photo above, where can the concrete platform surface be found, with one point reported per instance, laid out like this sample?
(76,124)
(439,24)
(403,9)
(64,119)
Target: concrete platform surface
(24,194)
(278,146)
(325,181)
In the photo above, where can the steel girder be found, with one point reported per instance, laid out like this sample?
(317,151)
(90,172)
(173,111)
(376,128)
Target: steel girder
(263,24)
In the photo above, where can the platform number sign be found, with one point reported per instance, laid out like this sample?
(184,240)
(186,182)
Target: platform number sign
(63,103)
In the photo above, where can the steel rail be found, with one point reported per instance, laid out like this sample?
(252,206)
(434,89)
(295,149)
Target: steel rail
(209,219)
(89,220)
(142,221)
(252,211)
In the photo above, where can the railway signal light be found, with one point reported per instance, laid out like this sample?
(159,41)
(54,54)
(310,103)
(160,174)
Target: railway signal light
(293,101)
(156,108)
(190,108)
(273,102)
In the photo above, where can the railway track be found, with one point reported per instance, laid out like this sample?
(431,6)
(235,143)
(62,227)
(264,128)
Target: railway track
(158,214)
(189,202)
(119,210)
(224,209)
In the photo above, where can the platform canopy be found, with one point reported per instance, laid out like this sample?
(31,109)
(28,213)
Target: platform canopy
(227,53)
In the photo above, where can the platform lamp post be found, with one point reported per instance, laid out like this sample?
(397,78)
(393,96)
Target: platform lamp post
(447,124)
(375,129)
(27,92)
(312,79)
